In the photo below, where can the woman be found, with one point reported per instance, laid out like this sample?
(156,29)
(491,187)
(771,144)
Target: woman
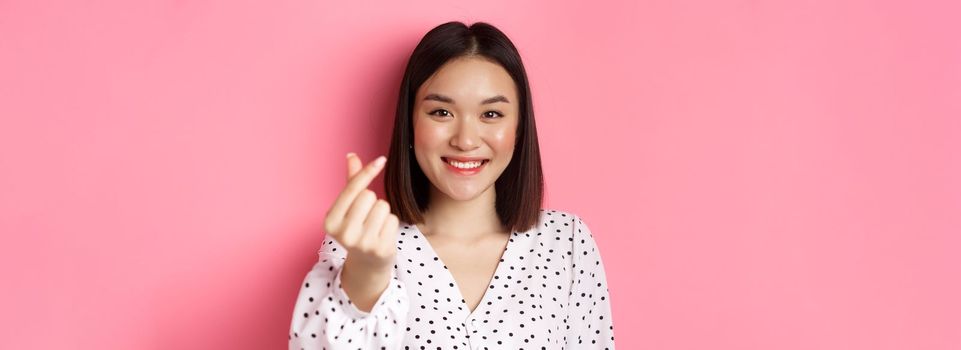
(460,255)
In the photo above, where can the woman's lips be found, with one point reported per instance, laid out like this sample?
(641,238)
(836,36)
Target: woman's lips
(463,159)
(464,172)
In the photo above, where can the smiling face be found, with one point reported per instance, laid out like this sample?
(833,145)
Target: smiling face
(465,120)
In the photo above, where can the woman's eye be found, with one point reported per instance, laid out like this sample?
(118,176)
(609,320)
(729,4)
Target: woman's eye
(440,112)
(493,114)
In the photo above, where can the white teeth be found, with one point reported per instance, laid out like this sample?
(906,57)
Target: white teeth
(465,165)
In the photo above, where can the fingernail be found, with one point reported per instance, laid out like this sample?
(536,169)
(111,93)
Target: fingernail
(349,154)
(380,161)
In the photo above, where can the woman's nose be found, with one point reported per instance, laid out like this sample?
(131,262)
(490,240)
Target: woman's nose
(466,137)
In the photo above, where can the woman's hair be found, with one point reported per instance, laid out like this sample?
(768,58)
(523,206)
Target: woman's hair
(520,188)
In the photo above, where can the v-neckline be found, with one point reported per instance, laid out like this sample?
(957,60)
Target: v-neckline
(450,276)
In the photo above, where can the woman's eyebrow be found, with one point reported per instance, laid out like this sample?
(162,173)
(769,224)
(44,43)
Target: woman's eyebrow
(498,98)
(442,98)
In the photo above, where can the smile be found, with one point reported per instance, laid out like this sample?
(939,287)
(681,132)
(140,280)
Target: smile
(465,168)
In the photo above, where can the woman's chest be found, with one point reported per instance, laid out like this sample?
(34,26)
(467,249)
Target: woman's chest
(471,268)
(526,293)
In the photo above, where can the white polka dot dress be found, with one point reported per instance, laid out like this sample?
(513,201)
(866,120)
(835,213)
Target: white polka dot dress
(549,291)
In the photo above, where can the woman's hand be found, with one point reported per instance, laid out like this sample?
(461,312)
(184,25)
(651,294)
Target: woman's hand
(361,222)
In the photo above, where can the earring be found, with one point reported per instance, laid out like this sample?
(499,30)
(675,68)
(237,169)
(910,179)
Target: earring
(410,146)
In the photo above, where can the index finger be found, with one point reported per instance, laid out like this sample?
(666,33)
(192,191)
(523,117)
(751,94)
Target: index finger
(358,183)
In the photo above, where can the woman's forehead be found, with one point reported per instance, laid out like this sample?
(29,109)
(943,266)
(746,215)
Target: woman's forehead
(469,80)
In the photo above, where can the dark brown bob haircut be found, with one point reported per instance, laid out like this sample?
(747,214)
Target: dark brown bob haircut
(520,188)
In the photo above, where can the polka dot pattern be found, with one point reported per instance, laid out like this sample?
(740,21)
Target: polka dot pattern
(549,291)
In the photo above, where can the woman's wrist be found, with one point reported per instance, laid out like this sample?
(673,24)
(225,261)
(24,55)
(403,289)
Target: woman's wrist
(364,284)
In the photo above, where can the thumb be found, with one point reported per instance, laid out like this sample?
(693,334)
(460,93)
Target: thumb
(353,165)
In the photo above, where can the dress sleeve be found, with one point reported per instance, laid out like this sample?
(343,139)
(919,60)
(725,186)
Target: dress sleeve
(589,321)
(325,318)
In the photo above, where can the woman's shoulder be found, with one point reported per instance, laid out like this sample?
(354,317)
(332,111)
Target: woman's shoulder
(551,212)
(554,217)
(563,223)
(556,225)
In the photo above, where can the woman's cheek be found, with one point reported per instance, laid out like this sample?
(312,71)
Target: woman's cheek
(503,138)
(426,134)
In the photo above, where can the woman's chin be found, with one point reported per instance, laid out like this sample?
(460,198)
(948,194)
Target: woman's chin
(463,193)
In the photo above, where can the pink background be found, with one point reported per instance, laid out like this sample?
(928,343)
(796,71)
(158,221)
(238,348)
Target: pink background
(758,175)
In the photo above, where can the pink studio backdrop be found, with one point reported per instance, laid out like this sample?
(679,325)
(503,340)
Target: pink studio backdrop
(758,175)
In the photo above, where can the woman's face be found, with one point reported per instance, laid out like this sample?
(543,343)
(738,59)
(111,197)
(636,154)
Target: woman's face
(465,120)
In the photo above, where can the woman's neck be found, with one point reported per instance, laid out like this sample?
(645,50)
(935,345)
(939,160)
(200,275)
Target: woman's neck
(468,220)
